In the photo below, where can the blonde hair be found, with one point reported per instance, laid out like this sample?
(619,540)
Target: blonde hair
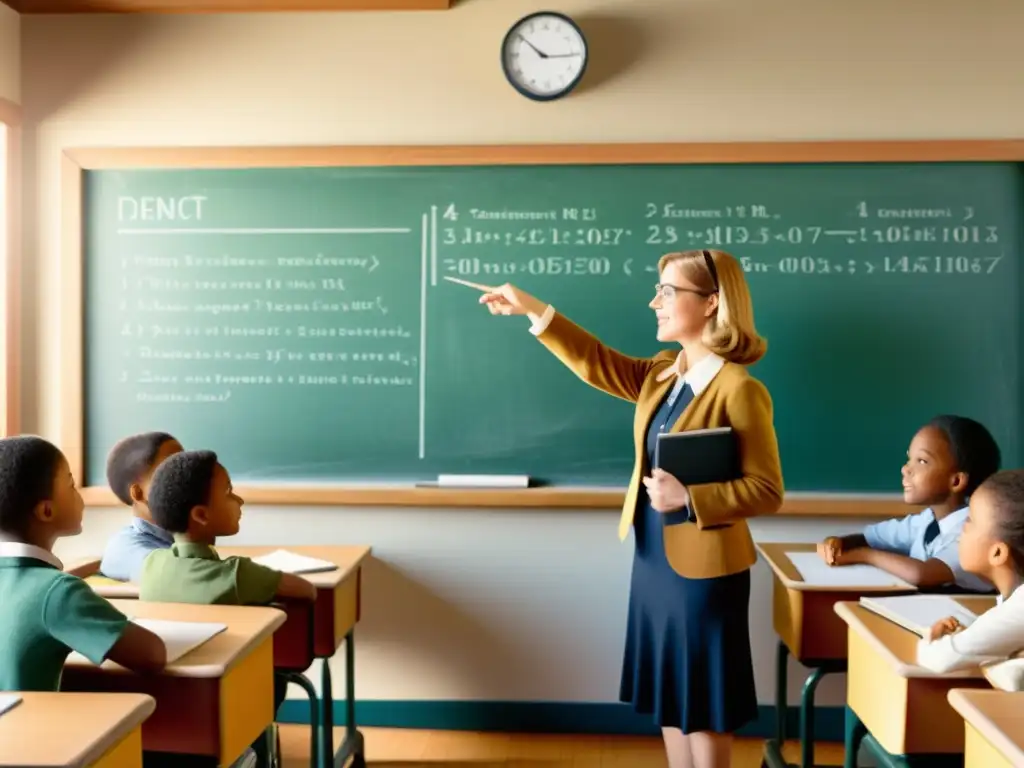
(730,332)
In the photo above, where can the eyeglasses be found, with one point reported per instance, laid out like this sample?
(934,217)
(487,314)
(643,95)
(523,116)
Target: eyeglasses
(668,292)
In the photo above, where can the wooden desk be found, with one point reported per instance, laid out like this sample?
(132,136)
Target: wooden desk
(112,589)
(293,642)
(215,700)
(893,704)
(336,613)
(74,730)
(804,618)
(993,727)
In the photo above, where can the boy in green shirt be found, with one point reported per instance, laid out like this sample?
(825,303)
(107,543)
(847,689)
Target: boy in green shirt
(45,612)
(191,496)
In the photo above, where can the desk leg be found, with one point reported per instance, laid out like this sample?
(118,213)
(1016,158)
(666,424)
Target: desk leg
(807,716)
(352,746)
(781,685)
(326,716)
(773,749)
(853,736)
(807,735)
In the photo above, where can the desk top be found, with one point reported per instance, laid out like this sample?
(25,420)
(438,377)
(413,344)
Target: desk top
(898,646)
(775,555)
(59,730)
(112,588)
(347,558)
(247,627)
(997,715)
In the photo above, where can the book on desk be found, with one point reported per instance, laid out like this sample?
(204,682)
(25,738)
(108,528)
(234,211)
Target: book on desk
(179,637)
(8,701)
(290,562)
(918,612)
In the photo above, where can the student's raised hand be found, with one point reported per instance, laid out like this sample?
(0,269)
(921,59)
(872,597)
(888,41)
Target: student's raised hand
(665,492)
(830,549)
(943,627)
(508,300)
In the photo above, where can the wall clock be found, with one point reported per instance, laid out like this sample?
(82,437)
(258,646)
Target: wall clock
(544,55)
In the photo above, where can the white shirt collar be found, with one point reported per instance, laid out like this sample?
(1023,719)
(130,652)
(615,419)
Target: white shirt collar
(952,520)
(699,376)
(20,549)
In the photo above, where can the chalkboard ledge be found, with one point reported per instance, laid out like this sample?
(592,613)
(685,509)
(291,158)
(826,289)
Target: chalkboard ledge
(802,504)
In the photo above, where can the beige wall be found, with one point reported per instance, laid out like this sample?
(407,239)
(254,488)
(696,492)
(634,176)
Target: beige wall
(505,604)
(10,54)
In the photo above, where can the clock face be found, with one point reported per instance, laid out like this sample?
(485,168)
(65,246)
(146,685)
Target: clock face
(544,55)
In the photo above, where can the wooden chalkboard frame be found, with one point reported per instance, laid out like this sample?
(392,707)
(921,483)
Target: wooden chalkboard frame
(77,161)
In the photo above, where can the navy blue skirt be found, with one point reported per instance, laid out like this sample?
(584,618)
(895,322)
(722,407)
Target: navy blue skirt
(687,660)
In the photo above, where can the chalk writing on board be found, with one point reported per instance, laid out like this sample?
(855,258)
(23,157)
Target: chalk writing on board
(150,208)
(717,235)
(673,211)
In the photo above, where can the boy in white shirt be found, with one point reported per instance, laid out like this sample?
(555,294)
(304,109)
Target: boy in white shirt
(948,459)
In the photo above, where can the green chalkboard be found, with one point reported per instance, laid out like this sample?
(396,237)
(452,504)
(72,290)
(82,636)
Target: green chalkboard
(296,320)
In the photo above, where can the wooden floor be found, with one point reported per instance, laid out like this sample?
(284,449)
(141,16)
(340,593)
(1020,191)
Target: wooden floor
(399,748)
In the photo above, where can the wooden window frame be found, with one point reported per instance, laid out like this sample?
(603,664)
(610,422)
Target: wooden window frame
(10,271)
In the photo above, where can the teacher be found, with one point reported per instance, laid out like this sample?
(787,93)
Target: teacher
(687,659)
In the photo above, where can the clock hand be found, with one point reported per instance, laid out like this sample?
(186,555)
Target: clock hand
(561,55)
(535,48)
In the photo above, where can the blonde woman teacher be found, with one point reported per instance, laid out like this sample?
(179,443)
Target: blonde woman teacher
(687,660)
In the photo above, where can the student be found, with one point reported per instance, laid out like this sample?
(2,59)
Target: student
(948,459)
(991,546)
(191,496)
(130,467)
(46,613)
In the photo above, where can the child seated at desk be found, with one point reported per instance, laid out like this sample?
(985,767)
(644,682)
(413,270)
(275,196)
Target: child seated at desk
(46,613)
(191,496)
(991,546)
(948,459)
(130,468)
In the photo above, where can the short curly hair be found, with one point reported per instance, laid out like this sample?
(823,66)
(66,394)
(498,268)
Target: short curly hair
(28,469)
(130,459)
(974,449)
(180,484)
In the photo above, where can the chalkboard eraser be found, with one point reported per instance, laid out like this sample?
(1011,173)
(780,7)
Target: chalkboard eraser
(483,481)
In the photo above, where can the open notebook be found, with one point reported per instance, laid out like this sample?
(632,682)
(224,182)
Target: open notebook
(8,701)
(290,562)
(815,571)
(179,637)
(918,612)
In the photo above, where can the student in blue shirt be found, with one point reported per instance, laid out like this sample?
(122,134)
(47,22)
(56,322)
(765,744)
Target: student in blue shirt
(130,468)
(948,459)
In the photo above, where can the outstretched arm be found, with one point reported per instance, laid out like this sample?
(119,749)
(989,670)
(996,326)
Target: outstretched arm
(598,365)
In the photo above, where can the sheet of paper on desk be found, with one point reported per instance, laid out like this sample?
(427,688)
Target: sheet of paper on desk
(290,562)
(918,612)
(815,571)
(8,701)
(179,637)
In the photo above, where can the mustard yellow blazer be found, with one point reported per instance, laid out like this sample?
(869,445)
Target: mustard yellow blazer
(720,543)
